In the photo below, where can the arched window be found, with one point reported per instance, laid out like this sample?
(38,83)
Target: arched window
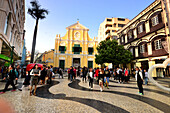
(7,24)
(14,39)
(10,37)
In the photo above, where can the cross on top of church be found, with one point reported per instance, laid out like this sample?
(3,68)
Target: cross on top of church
(77,20)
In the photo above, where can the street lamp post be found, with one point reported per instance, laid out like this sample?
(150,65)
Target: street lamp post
(12,52)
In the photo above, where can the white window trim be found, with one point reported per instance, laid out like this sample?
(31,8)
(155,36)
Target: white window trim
(122,39)
(131,50)
(140,28)
(159,44)
(130,35)
(155,20)
(142,48)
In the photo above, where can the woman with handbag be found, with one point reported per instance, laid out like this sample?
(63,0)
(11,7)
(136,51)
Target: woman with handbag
(35,72)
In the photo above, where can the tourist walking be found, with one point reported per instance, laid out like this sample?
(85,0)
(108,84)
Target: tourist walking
(4,71)
(139,79)
(122,76)
(75,72)
(71,73)
(85,71)
(146,77)
(126,74)
(68,71)
(35,73)
(91,77)
(60,73)
(18,72)
(97,73)
(26,81)
(107,75)
(43,75)
(101,78)
(119,73)
(48,75)
(78,71)
(10,77)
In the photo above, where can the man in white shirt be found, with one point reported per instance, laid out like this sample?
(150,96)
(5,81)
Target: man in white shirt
(139,79)
(90,77)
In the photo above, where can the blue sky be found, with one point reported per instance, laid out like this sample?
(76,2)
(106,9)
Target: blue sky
(66,12)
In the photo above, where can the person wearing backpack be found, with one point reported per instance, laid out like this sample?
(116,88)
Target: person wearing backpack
(139,79)
(11,76)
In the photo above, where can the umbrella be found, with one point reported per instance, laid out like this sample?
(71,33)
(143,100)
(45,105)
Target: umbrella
(30,66)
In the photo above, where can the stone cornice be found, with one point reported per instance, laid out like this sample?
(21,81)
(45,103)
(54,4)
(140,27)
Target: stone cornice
(146,10)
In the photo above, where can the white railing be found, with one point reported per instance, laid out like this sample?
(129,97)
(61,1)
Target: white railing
(165,63)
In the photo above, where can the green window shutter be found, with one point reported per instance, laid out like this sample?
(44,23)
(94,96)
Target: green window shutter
(76,45)
(80,49)
(64,48)
(72,49)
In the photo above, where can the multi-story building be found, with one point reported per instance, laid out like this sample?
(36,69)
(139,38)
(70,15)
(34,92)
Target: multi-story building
(147,37)
(76,48)
(108,29)
(12,19)
(48,57)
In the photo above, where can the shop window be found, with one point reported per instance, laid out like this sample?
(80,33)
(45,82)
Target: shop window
(155,20)
(158,44)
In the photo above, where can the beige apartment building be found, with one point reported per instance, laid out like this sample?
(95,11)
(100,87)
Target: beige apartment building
(108,29)
(147,37)
(12,19)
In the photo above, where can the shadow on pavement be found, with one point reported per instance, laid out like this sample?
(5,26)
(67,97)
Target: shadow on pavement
(155,103)
(101,106)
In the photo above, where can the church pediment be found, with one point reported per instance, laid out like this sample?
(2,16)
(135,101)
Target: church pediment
(77,26)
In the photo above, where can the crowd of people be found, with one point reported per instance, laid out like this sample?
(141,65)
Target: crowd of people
(101,76)
(33,77)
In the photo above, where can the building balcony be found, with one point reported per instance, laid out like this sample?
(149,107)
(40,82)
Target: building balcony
(108,28)
(107,35)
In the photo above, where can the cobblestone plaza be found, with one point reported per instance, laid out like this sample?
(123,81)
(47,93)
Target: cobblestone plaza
(75,97)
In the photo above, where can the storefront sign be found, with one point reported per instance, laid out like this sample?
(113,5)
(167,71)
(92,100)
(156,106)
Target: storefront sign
(5,57)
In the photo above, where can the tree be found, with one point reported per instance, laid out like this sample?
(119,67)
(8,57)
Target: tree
(110,52)
(37,13)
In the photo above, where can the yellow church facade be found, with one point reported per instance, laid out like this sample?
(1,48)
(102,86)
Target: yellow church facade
(76,48)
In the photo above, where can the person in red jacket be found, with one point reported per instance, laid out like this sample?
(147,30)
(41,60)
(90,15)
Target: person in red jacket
(74,69)
(97,73)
